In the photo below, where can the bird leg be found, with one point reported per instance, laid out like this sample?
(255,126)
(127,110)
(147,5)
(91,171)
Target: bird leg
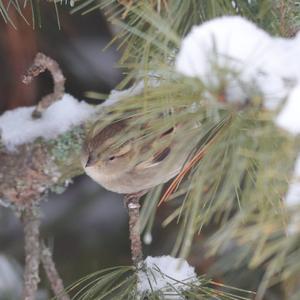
(132,203)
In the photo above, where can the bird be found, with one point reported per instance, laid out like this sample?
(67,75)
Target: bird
(131,157)
(123,158)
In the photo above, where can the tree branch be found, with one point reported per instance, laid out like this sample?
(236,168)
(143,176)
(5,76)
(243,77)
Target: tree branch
(133,205)
(31,221)
(27,174)
(40,64)
(33,169)
(52,274)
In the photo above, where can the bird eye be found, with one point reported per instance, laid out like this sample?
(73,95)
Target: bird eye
(111,158)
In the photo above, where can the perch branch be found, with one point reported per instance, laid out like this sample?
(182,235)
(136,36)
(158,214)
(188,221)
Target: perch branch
(31,223)
(133,205)
(52,274)
(40,64)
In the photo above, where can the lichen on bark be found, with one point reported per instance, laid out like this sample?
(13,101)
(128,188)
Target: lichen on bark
(28,173)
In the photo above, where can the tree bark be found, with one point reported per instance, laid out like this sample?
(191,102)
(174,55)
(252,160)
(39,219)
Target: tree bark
(133,205)
(31,222)
(52,274)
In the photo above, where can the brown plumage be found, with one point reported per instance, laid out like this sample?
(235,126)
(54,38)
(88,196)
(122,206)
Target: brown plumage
(128,163)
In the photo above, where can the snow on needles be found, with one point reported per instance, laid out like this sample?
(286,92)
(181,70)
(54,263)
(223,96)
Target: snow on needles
(251,61)
(167,275)
(18,127)
(115,95)
(289,116)
(254,60)
(135,90)
(292,199)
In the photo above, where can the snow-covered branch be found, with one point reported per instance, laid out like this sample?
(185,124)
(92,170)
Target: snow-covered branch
(42,154)
(38,155)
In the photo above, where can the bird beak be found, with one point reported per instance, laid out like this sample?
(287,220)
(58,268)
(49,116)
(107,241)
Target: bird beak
(89,162)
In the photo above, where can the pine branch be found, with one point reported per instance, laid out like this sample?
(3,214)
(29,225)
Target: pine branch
(242,179)
(121,283)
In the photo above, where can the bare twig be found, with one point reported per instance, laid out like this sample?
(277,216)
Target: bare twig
(40,64)
(36,251)
(133,205)
(52,274)
(31,222)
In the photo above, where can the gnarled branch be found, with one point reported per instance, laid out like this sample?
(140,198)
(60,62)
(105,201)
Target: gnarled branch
(40,64)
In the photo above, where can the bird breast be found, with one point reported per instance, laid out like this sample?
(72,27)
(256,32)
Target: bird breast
(114,183)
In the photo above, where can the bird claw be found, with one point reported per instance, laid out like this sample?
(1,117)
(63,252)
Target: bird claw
(131,201)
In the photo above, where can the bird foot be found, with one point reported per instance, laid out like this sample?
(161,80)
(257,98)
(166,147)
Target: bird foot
(131,200)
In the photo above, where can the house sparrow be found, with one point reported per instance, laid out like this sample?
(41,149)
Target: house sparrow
(122,159)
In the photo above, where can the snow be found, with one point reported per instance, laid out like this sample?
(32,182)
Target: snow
(292,199)
(289,116)
(115,95)
(293,195)
(166,274)
(135,90)
(249,59)
(251,62)
(18,127)
(230,43)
